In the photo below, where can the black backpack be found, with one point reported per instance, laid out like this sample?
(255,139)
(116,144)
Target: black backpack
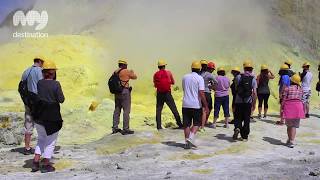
(114,83)
(244,88)
(23,90)
(318,87)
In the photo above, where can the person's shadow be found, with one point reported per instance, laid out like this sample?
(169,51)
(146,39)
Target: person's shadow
(174,144)
(28,164)
(224,137)
(273,141)
(315,115)
(21,150)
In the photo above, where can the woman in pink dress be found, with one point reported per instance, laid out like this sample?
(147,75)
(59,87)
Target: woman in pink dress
(292,106)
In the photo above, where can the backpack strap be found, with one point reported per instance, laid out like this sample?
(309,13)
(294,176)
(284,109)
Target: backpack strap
(31,68)
(125,82)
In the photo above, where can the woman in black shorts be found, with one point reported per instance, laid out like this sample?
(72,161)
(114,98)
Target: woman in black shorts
(263,89)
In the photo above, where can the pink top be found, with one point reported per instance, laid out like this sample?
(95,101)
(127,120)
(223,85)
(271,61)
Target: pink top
(222,88)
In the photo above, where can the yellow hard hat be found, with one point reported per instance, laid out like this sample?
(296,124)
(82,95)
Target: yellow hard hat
(196,65)
(40,57)
(289,61)
(162,62)
(284,67)
(247,64)
(220,69)
(49,65)
(296,79)
(122,61)
(264,67)
(204,62)
(237,69)
(306,64)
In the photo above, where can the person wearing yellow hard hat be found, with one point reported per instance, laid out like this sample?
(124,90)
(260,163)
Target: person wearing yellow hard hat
(28,83)
(284,81)
(221,97)
(162,80)
(263,90)
(289,63)
(306,77)
(194,100)
(120,87)
(246,87)
(210,81)
(292,106)
(235,71)
(48,121)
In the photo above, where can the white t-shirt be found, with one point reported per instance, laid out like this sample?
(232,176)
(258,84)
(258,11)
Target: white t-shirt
(306,82)
(192,83)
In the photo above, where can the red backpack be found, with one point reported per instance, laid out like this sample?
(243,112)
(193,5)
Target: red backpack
(162,81)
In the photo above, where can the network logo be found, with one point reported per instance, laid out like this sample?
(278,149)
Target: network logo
(32,18)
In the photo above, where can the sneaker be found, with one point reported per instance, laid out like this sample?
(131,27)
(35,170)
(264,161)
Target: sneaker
(126,132)
(115,131)
(201,130)
(191,143)
(264,116)
(213,126)
(28,151)
(226,126)
(187,145)
(47,168)
(307,115)
(244,139)
(259,116)
(279,123)
(35,166)
(236,133)
(290,145)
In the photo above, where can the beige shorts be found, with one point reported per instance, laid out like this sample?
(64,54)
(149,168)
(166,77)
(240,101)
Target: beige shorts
(293,123)
(28,121)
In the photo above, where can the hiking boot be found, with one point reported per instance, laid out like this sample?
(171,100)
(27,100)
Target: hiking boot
(236,133)
(35,166)
(28,151)
(127,132)
(115,131)
(47,168)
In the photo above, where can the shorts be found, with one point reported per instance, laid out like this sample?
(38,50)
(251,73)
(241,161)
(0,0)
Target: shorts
(306,97)
(293,123)
(28,121)
(191,116)
(209,100)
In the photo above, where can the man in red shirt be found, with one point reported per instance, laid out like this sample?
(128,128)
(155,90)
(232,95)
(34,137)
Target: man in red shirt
(163,80)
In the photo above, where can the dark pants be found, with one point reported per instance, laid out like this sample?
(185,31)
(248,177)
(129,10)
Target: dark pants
(242,119)
(122,101)
(224,102)
(168,99)
(263,99)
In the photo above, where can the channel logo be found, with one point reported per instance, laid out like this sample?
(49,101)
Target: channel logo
(31,18)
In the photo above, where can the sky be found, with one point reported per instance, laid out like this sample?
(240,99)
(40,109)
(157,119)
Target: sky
(8,6)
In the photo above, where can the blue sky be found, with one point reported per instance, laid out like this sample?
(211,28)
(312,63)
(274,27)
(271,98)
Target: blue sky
(8,6)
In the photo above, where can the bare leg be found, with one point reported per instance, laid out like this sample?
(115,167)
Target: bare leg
(214,122)
(260,110)
(226,122)
(186,132)
(36,158)
(27,140)
(265,112)
(204,118)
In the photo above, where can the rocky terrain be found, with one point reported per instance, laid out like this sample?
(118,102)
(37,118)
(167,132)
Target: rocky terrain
(160,155)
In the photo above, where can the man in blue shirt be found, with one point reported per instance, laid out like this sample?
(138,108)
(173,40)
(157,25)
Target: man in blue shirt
(33,74)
